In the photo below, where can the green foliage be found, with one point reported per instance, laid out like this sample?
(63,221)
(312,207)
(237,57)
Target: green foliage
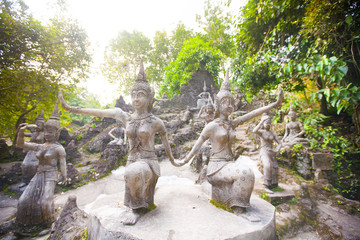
(79,98)
(289,42)
(84,234)
(36,60)
(217,27)
(328,138)
(122,58)
(194,55)
(78,137)
(264,196)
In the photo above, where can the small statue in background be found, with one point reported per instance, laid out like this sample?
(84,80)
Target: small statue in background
(267,152)
(119,131)
(36,204)
(30,162)
(232,182)
(205,97)
(294,131)
(207,112)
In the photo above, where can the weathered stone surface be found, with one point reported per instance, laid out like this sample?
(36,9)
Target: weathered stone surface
(111,158)
(183,211)
(71,223)
(4,151)
(277,198)
(322,161)
(190,92)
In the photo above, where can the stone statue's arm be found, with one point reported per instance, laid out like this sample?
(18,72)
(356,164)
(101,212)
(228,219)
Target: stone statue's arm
(201,111)
(279,143)
(302,130)
(241,119)
(257,130)
(62,163)
(165,142)
(110,133)
(20,142)
(26,134)
(286,133)
(196,148)
(115,113)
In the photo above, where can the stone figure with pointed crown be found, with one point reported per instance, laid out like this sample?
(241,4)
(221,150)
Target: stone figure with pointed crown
(36,204)
(30,162)
(204,97)
(232,183)
(142,169)
(294,131)
(267,152)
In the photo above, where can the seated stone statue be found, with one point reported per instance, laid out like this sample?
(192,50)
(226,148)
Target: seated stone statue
(142,169)
(204,97)
(294,131)
(232,183)
(30,162)
(207,112)
(120,138)
(267,152)
(36,204)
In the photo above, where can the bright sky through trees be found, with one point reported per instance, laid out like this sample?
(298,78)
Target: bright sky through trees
(104,19)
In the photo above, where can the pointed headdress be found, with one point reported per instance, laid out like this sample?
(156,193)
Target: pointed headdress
(225,88)
(54,119)
(41,116)
(143,84)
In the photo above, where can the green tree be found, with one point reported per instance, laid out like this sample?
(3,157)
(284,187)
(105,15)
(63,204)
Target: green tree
(159,57)
(194,55)
(36,60)
(217,26)
(179,35)
(80,98)
(122,58)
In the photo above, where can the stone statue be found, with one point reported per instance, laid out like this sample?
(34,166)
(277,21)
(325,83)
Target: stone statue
(232,183)
(30,163)
(204,97)
(208,115)
(142,169)
(36,204)
(119,131)
(267,153)
(294,131)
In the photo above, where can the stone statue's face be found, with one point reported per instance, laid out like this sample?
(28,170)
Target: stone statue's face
(267,124)
(139,99)
(40,124)
(292,117)
(226,106)
(51,133)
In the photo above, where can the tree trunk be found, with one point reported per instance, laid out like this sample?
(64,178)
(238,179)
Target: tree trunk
(323,102)
(356,117)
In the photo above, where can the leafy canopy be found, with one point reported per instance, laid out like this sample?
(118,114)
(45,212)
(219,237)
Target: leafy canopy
(194,55)
(36,60)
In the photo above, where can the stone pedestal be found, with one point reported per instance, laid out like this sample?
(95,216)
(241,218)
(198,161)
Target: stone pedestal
(183,211)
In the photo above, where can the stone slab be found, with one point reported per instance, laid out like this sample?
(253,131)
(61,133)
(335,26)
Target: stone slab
(184,211)
(277,198)
(321,161)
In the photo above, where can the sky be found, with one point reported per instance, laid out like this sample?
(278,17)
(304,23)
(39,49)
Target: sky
(104,19)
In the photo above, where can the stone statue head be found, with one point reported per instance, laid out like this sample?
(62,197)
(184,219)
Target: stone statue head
(292,114)
(52,126)
(39,121)
(210,107)
(267,121)
(224,95)
(142,84)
